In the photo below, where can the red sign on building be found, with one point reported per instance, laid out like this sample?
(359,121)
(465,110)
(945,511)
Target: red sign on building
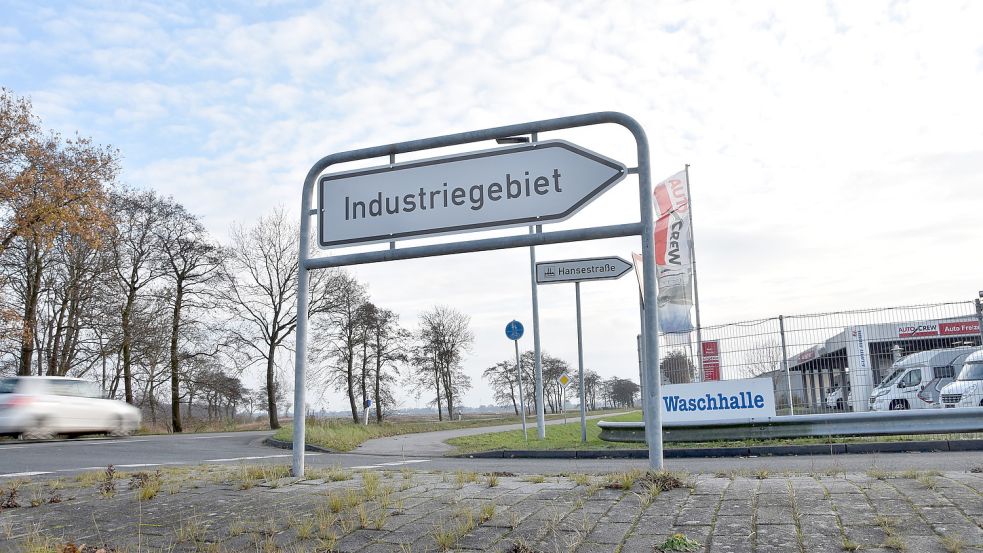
(959,327)
(711,360)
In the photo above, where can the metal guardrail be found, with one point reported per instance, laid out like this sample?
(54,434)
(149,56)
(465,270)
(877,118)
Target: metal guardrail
(922,421)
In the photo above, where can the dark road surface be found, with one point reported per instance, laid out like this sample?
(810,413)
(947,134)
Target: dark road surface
(66,457)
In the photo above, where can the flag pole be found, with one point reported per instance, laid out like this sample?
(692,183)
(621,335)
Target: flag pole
(696,288)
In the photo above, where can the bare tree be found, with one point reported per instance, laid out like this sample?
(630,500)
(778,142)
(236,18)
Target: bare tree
(387,342)
(676,368)
(136,262)
(504,380)
(192,265)
(763,357)
(343,334)
(444,336)
(261,292)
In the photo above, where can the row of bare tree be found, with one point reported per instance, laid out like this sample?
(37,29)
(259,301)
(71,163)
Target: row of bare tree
(127,287)
(504,380)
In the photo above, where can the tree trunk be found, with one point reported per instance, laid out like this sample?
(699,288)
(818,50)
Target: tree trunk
(29,325)
(351,384)
(271,386)
(125,346)
(175,377)
(378,378)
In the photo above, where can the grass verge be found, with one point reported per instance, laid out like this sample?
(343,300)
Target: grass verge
(567,437)
(341,435)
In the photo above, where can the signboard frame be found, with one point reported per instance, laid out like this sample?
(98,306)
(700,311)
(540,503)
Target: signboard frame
(643,229)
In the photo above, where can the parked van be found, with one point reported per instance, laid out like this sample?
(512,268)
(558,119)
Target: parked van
(916,381)
(967,389)
(835,399)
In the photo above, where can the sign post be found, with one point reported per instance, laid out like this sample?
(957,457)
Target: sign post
(577,271)
(514,331)
(484,190)
(564,380)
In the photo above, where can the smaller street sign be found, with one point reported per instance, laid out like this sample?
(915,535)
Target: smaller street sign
(368,403)
(564,380)
(514,330)
(579,270)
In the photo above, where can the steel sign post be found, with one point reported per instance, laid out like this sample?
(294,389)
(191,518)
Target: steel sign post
(551,212)
(514,331)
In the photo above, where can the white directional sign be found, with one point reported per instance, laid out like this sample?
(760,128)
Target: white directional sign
(504,187)
(578,270)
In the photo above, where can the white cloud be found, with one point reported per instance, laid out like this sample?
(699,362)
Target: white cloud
(835,147)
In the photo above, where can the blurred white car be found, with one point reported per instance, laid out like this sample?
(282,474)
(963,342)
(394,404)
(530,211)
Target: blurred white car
(36,407)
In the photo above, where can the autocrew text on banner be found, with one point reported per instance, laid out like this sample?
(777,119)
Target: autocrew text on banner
(673,257)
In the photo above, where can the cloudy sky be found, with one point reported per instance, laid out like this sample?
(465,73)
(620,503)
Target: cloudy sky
(836,148)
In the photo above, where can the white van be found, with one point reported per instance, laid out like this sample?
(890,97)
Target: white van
(967,389)
(916,381)
(835,399)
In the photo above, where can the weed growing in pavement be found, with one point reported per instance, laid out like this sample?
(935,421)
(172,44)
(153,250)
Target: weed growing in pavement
(190,530)
(107,487)
(363,516)
(664,480)
(236,528)
(850,545)
(486,513)
(147,485)
(8,497)
(304,527)
(880,474)
(952,544)
(520,546)
(581,479)
(492,480)
(534,478)
(465,477)
(679,542)
(370,484)
(622,480)
(761,474)
(889,526)
(88,479)
(327,542)
(380,518)
(928,481)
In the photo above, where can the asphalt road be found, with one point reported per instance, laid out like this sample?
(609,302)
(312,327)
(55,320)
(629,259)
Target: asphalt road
(66,457)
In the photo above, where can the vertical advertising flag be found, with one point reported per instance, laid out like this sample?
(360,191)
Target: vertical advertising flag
(673,256)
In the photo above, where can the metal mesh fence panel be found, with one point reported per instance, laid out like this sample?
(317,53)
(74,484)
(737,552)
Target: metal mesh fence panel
(840,361)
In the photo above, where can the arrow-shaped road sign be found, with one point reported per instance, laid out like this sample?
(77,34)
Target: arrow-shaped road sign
(504,187)
(579,270)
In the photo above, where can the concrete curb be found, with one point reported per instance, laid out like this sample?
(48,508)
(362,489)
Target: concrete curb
(289,445)
(753,451)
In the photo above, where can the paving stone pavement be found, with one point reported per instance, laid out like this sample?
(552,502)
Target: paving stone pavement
(222,509)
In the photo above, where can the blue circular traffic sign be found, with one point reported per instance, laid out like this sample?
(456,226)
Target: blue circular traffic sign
(514,330)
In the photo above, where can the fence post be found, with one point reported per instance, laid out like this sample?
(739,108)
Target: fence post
(788,377)
(979,318)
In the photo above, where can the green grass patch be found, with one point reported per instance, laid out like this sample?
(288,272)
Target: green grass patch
(345,435)
(558,436)
(567,437)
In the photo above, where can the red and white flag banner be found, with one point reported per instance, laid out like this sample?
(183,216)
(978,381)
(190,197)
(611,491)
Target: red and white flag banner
(673,255)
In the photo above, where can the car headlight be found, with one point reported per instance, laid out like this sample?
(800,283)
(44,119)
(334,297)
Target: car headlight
(969,389)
